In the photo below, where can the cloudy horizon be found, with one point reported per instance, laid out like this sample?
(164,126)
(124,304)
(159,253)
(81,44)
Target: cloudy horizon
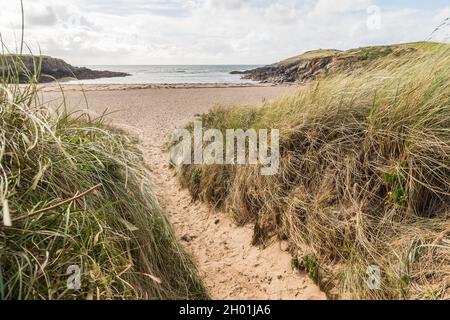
(137,32)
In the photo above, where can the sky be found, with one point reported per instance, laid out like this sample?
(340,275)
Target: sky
(144,32)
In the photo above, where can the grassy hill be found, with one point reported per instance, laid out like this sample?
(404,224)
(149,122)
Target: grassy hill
(320,53)
(74,192)
(364,175)
(313,64)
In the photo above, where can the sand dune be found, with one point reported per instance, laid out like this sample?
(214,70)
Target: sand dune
(231,267)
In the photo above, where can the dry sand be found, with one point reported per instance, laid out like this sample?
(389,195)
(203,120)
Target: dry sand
(231,267)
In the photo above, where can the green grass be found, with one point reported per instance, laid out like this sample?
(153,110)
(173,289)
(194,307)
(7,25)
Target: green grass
(363,54)
(364,175)
(78,193)
(321,53)
(311,267)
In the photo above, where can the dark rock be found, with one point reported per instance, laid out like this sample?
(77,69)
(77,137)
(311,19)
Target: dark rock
(313,64)
(299,71)
(51,69)
(239,72)
(186,238)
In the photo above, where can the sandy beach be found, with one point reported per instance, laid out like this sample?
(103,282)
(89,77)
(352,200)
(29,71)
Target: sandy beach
(229,151)
(230,266)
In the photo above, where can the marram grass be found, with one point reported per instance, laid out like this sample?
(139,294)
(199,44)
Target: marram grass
(75,192)
(364,176)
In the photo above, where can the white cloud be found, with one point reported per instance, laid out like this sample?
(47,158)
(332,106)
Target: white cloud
(441,15)
(204,31)
(41,16)
(342,6)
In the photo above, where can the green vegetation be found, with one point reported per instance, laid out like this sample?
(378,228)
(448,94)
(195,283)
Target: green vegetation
(364,176)
(313,54)
(311,267)
(76,192)
(295,264)
(313,65)
(362,54)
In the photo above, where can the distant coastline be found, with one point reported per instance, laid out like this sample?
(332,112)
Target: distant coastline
(51,69)
(170,74)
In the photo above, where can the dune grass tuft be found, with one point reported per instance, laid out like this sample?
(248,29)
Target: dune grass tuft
(76,192)
(364,178)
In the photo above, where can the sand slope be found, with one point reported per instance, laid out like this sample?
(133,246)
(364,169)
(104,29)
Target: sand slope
(231,267)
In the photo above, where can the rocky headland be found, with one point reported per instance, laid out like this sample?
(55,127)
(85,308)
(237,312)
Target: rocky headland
(312,64)
(46,69)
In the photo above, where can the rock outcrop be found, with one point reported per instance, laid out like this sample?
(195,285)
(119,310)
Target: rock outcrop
(51,69)
(313,64)
(295,72)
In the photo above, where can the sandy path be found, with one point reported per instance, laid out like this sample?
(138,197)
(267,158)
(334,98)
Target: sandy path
(231,267)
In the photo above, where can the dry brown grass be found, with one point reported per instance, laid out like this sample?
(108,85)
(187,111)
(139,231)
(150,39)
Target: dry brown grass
(364,177)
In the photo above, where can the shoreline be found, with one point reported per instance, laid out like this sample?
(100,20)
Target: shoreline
(56,87)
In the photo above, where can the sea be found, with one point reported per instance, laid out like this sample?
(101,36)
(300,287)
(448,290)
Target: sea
(171,74)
